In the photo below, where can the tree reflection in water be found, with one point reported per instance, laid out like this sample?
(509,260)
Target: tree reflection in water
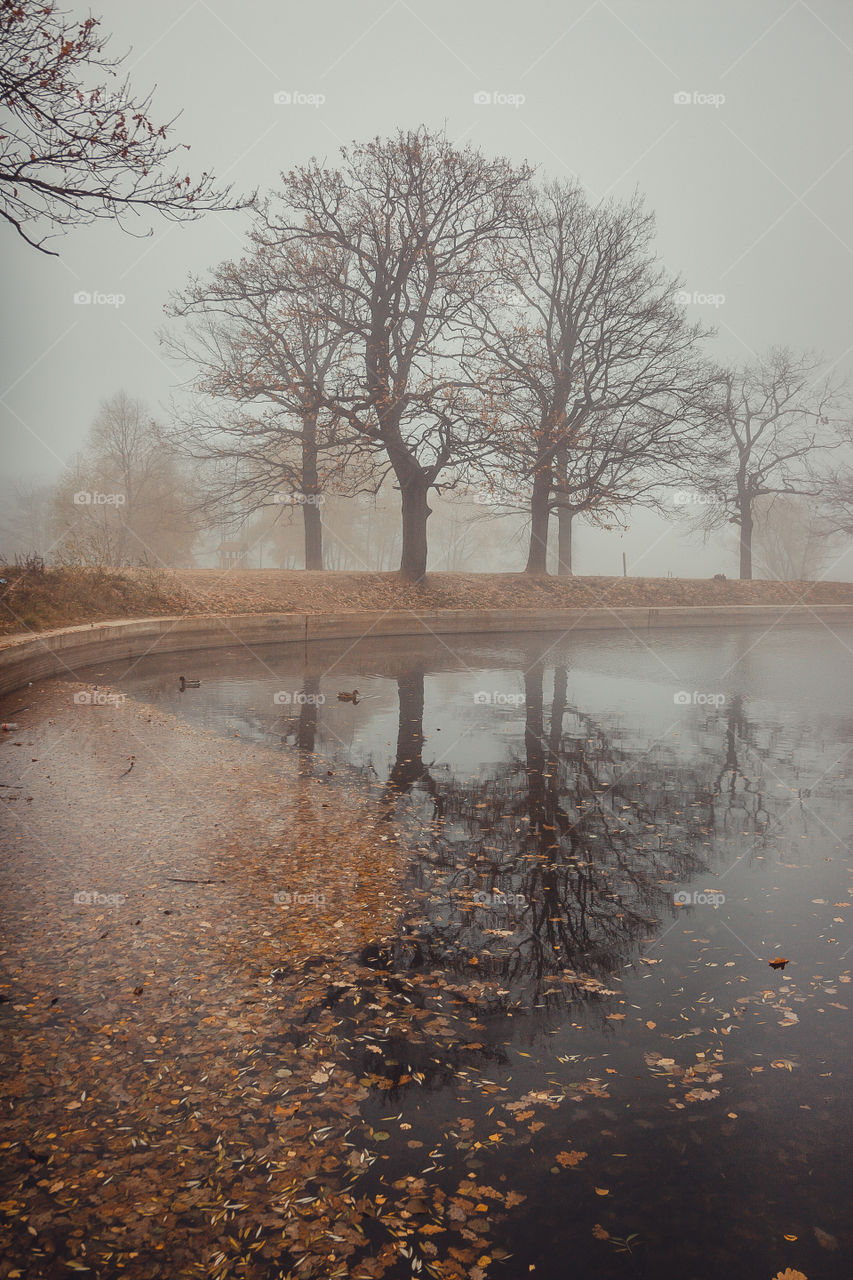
(547,869)
(555,862)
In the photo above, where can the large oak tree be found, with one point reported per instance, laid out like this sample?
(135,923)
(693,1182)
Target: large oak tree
(598,384)
(408,231)
(265,343)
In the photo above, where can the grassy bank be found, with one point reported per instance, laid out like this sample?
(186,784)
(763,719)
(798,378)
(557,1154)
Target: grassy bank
(37,599)
(34,598)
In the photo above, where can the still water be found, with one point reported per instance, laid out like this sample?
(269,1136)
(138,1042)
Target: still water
(616,834)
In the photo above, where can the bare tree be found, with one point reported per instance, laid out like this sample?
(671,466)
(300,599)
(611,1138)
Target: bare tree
(773,421)
(597,385)
(618,462)
(791,540)
(264,345)
(465,534)
(363,534)
(74,147)
(837,488)
(404,226)
(125,500)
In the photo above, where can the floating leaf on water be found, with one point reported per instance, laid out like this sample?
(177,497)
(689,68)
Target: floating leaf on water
(825,1240)
(568,1159)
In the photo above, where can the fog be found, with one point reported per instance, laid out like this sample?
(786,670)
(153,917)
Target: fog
(731,119)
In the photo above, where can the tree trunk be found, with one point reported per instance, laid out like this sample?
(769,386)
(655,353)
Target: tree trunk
(565,516)
(534,744)
(746,541)
(312,522)
(313,535)
(306,733)
(408,766)
(539,512)
(414,491)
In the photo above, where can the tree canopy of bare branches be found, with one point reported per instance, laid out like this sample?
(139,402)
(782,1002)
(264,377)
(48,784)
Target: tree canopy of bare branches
(75,144)
(597,381)
(791,539)
(406,232)
(125,500)
(264,347)
(773,421)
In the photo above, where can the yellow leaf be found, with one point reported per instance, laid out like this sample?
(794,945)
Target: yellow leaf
(602,1191)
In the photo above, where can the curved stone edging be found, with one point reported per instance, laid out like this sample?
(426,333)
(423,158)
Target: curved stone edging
(61,652)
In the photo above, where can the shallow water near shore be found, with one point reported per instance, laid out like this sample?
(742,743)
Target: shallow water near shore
(620,832)
(569,1054)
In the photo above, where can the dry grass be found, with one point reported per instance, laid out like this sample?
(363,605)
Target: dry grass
(35,598)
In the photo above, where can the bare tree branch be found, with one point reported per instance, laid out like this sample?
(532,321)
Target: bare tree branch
(75,147)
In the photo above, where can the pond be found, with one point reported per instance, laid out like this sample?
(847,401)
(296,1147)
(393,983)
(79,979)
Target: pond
(612,837)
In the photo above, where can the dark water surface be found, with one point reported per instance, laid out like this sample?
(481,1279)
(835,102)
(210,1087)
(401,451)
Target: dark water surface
(622,831)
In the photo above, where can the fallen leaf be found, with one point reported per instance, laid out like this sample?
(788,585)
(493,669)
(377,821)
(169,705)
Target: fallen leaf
(825,1240)
(568,1159)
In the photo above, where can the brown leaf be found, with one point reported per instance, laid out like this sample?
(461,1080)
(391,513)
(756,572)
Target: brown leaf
(568,1159)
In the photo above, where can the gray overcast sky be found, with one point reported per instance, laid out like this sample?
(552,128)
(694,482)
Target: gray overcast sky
(752,194)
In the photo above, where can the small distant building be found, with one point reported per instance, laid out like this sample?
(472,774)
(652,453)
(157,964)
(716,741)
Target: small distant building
(233,554)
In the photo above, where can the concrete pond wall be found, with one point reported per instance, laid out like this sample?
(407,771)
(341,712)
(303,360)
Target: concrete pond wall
(64,652)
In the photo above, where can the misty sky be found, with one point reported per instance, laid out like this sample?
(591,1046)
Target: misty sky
(752,194)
